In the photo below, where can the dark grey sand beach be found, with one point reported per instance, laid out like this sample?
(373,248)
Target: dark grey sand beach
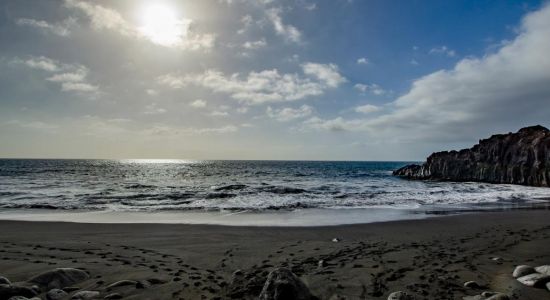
(430,258)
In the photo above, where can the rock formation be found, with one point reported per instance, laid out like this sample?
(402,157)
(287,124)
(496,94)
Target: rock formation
(517,158)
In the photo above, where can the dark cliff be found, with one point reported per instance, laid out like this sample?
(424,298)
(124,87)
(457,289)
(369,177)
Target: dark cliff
(518,158)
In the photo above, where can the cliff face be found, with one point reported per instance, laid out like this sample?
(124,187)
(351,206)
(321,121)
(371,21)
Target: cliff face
(518,158)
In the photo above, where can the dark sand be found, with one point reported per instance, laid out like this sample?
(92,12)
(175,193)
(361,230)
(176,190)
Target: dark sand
(430,258)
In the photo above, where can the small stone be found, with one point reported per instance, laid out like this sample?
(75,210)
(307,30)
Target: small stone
(472,285)
(84,295)
(476,297)
(321,264)
(543,269)
(488,294)
(55,294)
(499,296)
(537,280)
(497,259)
(523,270)
(113,296)
(60,278)
(400,296)
(336,240)
(122,283)
(548,286)
(4,280)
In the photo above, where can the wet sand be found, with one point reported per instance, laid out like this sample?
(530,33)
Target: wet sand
(430,258)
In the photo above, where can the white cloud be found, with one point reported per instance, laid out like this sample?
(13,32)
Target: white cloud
(219,113)
(154,109)
(443,50)
(499,92)
(373,88)
(41,63)
(367,109)
(61,29)
(71,77)
(289,32)
(178,33)
(362,61)
(327,73)
(288,113)
(264,86)
(253,45)
(199,103)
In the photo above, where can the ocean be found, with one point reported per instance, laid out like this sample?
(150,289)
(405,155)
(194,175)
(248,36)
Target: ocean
(252,186)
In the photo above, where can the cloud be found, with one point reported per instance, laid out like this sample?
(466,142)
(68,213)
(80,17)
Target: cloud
(264,86)
(35,125)
(41,63)
(498,92)
(444,50)
(289,32)
(372,88)
(153,109)
(362,61)
(71,78)
(288,113)
(219,113)
(367,109)
(337,124)
(61,29)
(328,73)
(177,33)
(199,103)
(254,45)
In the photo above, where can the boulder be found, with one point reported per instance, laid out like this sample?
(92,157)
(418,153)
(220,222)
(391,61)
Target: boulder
(4,280)
(282,284)
(84,295)
(517,158)
(60,278)
(400,296)
(23,298)
(543,269)
(537,280)
(8,291)
(523,270)
(56,294)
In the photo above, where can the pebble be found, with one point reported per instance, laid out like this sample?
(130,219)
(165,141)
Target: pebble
(537,280)
(55,294)
(122,283)
(113,296)
(523,270)
(400,296)
(472,285)
(84,295)
(60,278)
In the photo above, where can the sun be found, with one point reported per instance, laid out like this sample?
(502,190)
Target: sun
(160,24)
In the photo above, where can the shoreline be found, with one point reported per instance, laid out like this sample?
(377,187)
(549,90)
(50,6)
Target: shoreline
(310,217)
(431,258)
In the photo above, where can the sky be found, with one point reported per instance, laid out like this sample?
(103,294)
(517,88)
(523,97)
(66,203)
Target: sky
(268,79)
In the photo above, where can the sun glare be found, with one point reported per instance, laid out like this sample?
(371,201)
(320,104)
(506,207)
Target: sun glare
(161,25)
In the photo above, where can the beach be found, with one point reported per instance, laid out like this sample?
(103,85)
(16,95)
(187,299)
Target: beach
(429,258)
